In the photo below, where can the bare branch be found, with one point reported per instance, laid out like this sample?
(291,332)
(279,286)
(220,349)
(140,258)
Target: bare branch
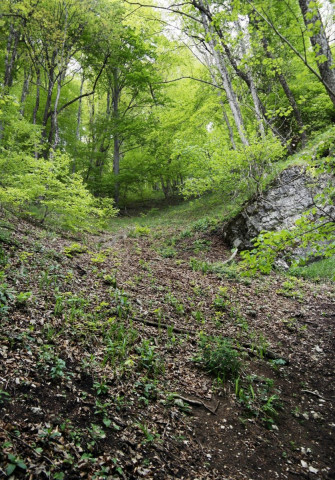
(191,78)
(164,8)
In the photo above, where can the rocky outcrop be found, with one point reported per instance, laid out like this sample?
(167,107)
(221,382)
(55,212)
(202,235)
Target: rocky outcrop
(285,200)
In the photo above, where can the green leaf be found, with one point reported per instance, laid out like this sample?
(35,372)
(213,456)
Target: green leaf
(107,422)
(10,468)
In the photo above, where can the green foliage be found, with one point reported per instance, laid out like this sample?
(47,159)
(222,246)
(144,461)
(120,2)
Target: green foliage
(243,169)
(14,463)
(23,297)
(149,360)
(168,252)
(139,231)
(217,355)
(6,295)
(4,396)
(318,270)
(74,249)
(51,363)
(259,398)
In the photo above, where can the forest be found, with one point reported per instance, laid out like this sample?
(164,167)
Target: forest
(138,338)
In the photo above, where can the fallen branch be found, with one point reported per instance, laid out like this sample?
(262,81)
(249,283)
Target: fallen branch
(231,257)
(27,445)
(163,325)
(316,394)
(199,403)
(246,347)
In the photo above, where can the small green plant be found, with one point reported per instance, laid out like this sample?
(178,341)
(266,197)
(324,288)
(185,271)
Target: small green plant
(74,249)
(259,398)
(172,300)
(201,245)
(149,436)
(110,280)
(198,316)
(101,387)
(23,297)
(149,360)
(217,355)
(289,289)
(98,257)
(58,369)
(221,303)
(51,363)
(148,390)
(4,396)
(14,463)
(3,257)
(122,303)
(168,252)
(140,231)
(6,295)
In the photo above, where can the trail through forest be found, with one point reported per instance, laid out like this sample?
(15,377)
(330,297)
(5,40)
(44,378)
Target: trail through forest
(106,346)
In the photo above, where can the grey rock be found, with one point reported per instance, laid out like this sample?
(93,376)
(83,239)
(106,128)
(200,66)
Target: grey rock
(286,199)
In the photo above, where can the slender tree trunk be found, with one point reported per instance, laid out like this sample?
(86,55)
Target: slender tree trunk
(92,115)
(54,131)
(78,132)
(224,113)
(25,90)
(226,81)
(289,95)
(37,100)
(252,86)
(104,146)
(227,122)
(11,54)
(116,140)
(319,41)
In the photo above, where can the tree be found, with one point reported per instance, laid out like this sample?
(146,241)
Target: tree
(317,34)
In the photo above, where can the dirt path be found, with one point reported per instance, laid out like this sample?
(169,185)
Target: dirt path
(100,358)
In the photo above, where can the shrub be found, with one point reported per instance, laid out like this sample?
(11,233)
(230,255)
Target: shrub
(218,357)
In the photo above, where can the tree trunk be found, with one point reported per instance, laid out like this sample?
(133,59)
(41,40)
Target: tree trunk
(78,134)
(289,95)
(37,100)
(226,81)
(54,131)
(224,113)
(253,90)
(25,90)
(321,46)
(11,54)
(116,157)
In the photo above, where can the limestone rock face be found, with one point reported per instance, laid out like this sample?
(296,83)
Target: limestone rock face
(285,200)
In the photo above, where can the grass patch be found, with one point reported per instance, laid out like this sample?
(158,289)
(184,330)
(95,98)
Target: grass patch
(323,269)
(218,206)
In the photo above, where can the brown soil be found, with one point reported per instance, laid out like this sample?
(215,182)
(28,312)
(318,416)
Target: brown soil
(89,398)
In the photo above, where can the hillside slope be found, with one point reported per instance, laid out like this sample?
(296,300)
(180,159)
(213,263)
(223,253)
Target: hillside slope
(113,364)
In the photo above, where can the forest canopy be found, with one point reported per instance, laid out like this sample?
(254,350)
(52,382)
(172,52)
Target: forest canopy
(106,102)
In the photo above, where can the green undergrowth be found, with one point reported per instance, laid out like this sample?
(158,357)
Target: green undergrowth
(210,206)
(321,270)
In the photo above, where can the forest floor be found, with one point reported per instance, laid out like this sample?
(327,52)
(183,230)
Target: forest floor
(104,342)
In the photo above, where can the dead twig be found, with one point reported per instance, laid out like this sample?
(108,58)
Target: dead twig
(316,394)
(27,445)
(199,403)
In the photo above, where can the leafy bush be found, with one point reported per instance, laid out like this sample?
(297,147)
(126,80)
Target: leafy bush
(218,357)
(46,186)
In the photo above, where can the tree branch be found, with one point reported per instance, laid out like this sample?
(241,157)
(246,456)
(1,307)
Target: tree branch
(169,9)
(88,94)
(289,44)
(191,78)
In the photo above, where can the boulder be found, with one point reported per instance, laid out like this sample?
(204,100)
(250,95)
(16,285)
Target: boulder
(284,201)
